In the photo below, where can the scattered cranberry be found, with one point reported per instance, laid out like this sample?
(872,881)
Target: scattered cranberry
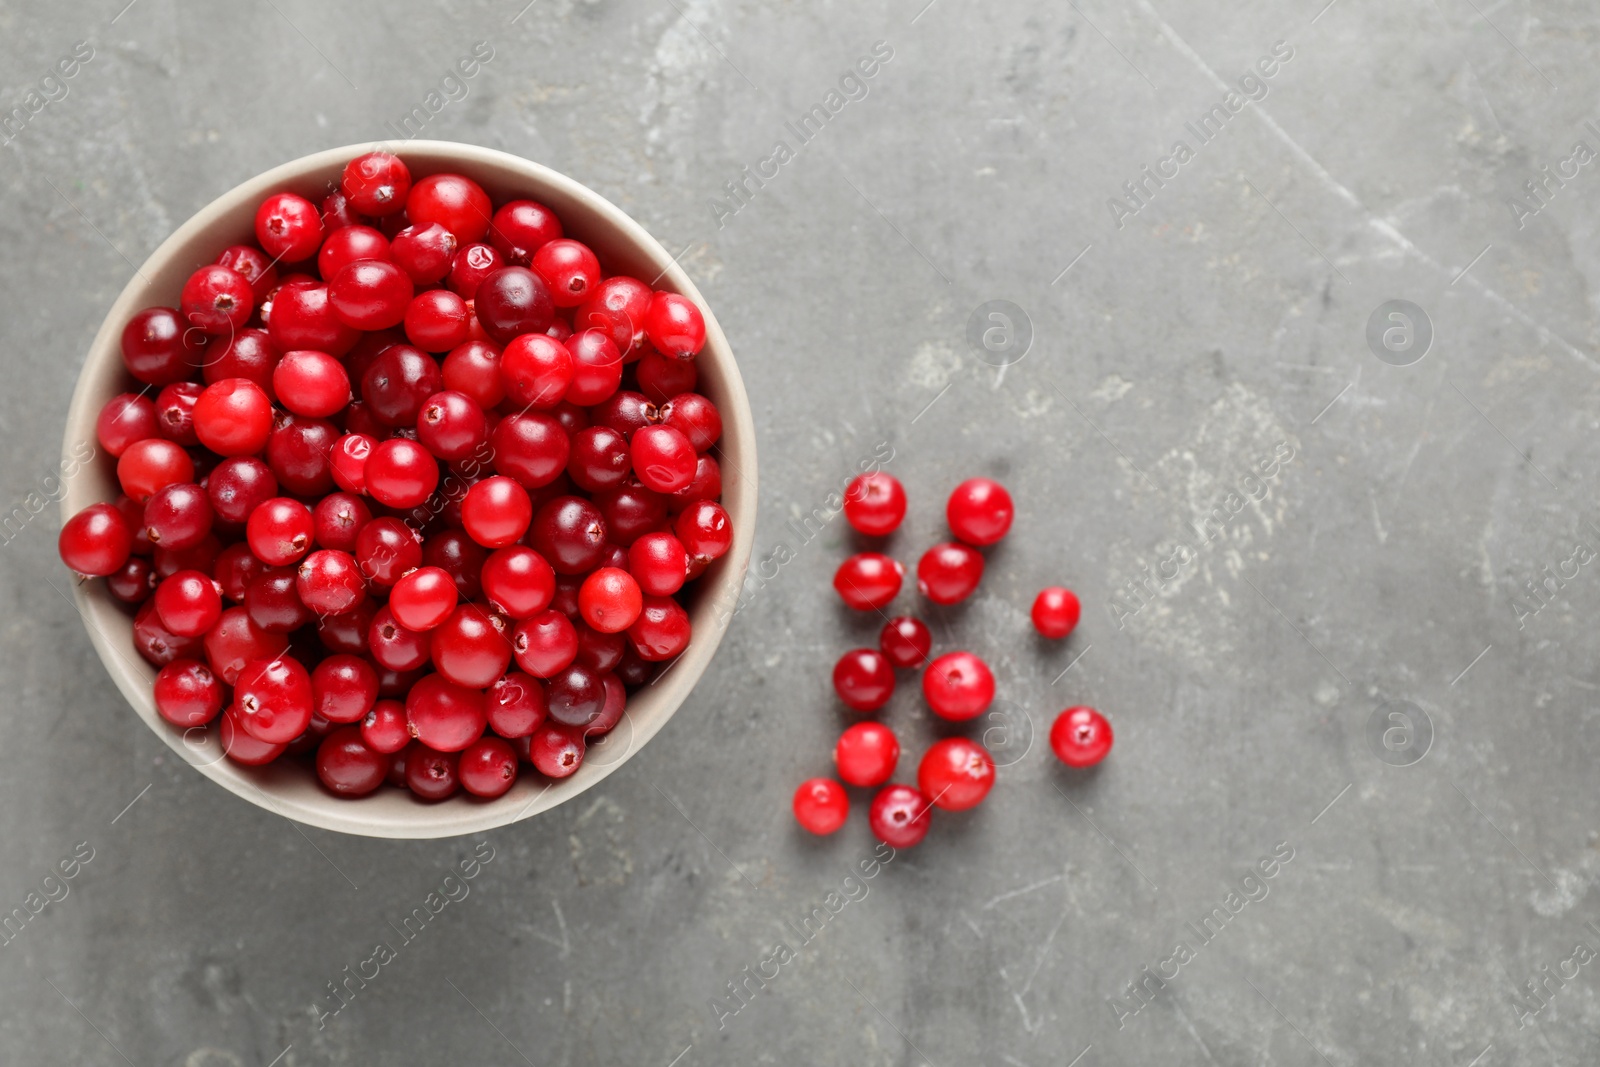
(1055,612)
(956,774)
(875,504)
(821,805)
(868,581)
(958,686)
(899,816)
(948,573)
(863,679)
(867,753)
(1080,737)
(979,511)
(906,641)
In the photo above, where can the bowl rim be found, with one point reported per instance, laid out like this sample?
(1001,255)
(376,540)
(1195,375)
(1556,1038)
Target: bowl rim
(712,612)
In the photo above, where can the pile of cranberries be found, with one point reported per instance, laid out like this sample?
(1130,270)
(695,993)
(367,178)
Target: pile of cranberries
(956,773)
(412,488)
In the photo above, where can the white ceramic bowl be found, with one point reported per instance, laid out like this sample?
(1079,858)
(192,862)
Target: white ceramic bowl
(289,788)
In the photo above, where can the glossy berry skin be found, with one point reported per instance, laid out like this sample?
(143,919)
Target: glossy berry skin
(899,816)
(619,305)
(370,294)
(545,644)
(520,228)
(187,694)
(424,252)
(175,412)
(376,183)
(158,645)
(188,603)
(661,378)
(821,805)
(274,700)
(694,416)
(458,204)
(233,417)
(958,686)
(864,679)
(249,353)
(956,774)
(568,269)
(470,266)
(662,630)
(452,426)
(488,767)
(387,548)
(609,600)
(536,370)
(177,516)
(979,511)
(596,367)
(343,688)
(906,642)
(253,265)
(473,368)
(705,530)
(576,696)
(518,582)
(443,715)
(556,751)
(303,316)
(470,648)
(533,448)
(1080,737)
(398,383)
(347,766)
(423,598)
(438,320)
(96,541)
(496,512)
(384,728)
(875,504)
(868,581)
(866,754)
(217,300)
(239,746)
(675,326)
(949,573)
(125,419)
(570,533)
(151,465)
(288,227)
(280,531)
(659,563)
(401,473)
(157,346)
(311,383)
(329,582)
(515,705)
(338,519)
(663,458)
(235,641)
(238,486)
(1055,612)
(350,244)
(431,775)
(512,301)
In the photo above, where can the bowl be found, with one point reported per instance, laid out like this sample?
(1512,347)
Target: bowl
(292,790)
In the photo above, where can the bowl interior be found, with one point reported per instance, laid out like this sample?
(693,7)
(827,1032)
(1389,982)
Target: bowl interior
(623,247)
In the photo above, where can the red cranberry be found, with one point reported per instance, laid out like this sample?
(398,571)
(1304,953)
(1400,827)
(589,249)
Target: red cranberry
(431,775)
(474,369)
(424,252)
(609,600)
(496,512)
(273,697)
(329,582)
(532,448)
(347,461)
(248,354)
(438,320)
(619,305)
(216,299)
(462,557)
(659,563)
(866,754)
(634,670)
(906,641)
(338,519)
(521,228)
(280,531)
(868,581)
(979,511)
(343,688)
(556,751)
(597,367)
(125,419)
(863,679)
(299,451)
(625,412)
(384,728)
(133,582)
(1080,737)
(706,530)
(515,705)
(151,465)
(347,766)
(288,227)
(695,417)
(470,647)
(568,269)
(239,746)
(471,265)
(387,548)
(571,534)
(899,816)
(274,603)
(233,417)
(518,582)
(706,485)
(175,412)
(458,204)
(253,266)
(376,183)
(575,696)
(675,326)
(187,694)
(661,631)
(401,473)
(235,568)
(188,603)
(958,686)
(311,383)
(96,541)
(337,212)
(513,301)
(875,503)
(536,370)
(395,647)
(488,767)
(599,459)
(370,294)
(398,383)
(1055,612)
(154,347)
(423,599)
(949,573)
(158,645)
(350,244)
(445,716)
(661,377)
(177,516)
(663,458)
(821,805)
(199,557)
(235,641)
(545,644)
(238,486)
(631,511)
(956,774)
(303,316)
(452,426)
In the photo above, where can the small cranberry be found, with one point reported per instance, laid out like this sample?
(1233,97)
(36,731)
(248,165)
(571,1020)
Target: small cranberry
(866,754)
(1080,737)
(979,511)
(899,816)
(958,686)
(869,581)
(821,805)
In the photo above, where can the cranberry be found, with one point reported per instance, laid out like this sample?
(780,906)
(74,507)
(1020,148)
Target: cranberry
(423,599)
(238,486)
(452,426)
(568,269)
(949,573)
(470,647)
(597,367)
(235,641)
(188,603)
(303,316)
(821,805)
(274,603)
(299,451)
(443,715)
(177,516)
(488,767)
(233,417)
(575,696)
(462,557)
(571,534)
(956,774)
(631,511)
(695,417)
(661,378)
(438,320)
(370,294)
(616,703)
(398,383)
(661,631)
(496,512)
(351,244)
(235,568)
(125,419)
(958,686)
(609,600)
(634,670)
(545,644)
(311,383)
(471,265)
(387,548)
(431,775)
(338,519)
(619,305)
(288,227)
(133,582)
(154,347)
(675,326)
(347,461)
(424,252)
(706,531)
(864,679)
(401,473)
(868,580)
(625,412)
(280,531)
(663,458)
(532,448)
(274,700)
(151,465)
(174,410)
(395,647)
(239,746)
(376,183)
(384,728)
(521,228)
(96,541)
(659,563)
(599,458)
(556,751)
(458,204)
(899,816)
(347,766)
(979,511)
(474,369)
(248,354)
(187,694)
(1055,612)
(706,485)
(515,705)
(1080,737)
(216,299)
(875,503)
(536,370)
(866,754)
(329,582)
(253,266)
(513,301)
(158,645)
(343,688)
(906,641)
(337,212)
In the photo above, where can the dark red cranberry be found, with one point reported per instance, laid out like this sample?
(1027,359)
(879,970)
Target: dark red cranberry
(154,347)
(864,679)
(431,775)
(545,644)
(459,556)
(570,532)
(235,641)
(906,641)
(513,301)
(347,766)
(248,354)
(274,603)
(452,426)
(175,412)
(575,696)
(474,369)
(625,412)
(96,541)
(387,548)
(518,582)
(177,516)
(398,383)
(662,378)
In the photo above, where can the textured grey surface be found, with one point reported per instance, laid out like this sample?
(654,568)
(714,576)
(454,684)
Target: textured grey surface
(1224,319)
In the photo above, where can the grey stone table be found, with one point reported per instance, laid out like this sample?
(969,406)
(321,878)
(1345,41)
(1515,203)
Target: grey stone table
(1337,553)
